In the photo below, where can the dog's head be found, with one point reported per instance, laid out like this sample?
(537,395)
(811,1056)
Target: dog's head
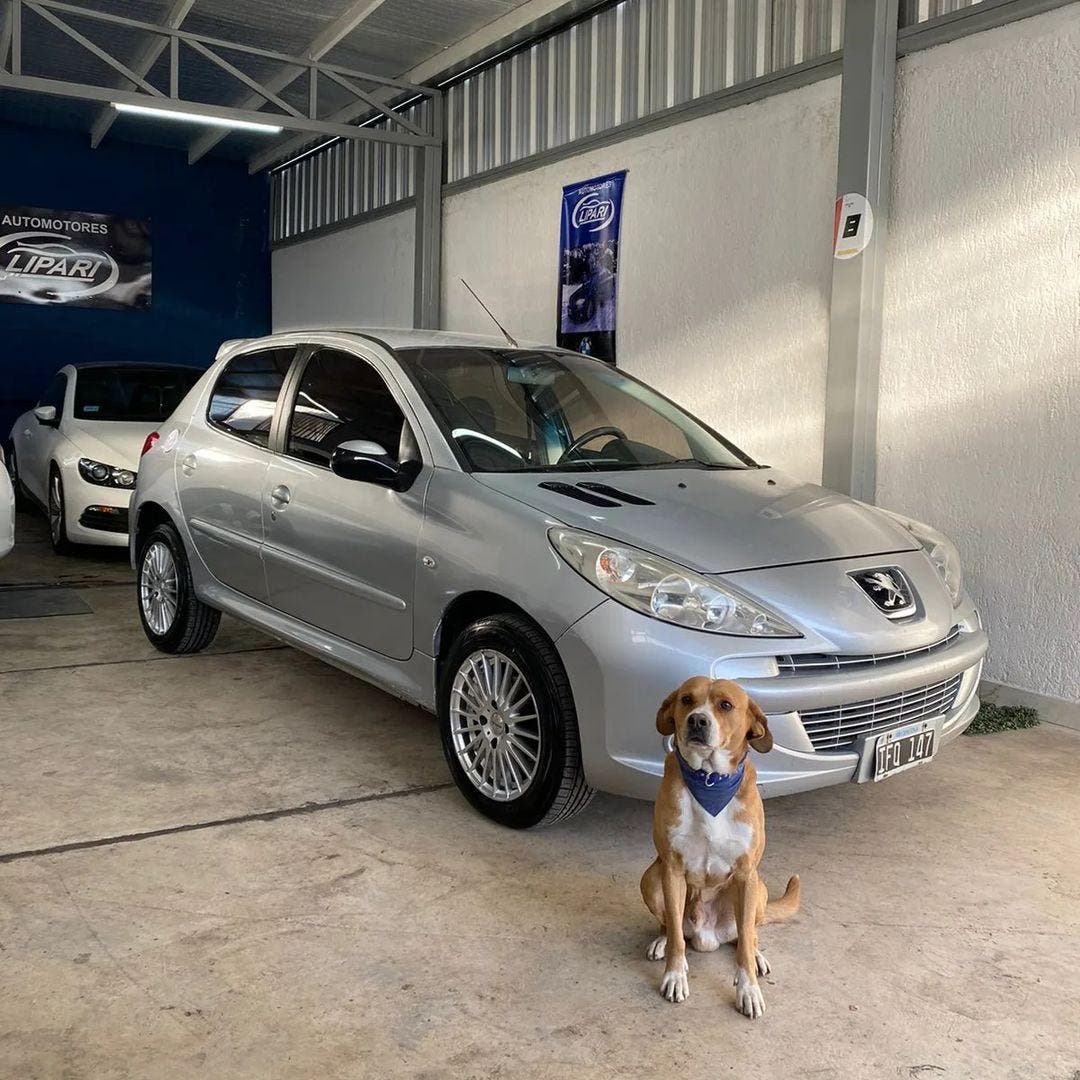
(711,715)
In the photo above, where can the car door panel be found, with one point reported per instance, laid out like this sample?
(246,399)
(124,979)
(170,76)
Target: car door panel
(341,554)
(221,468)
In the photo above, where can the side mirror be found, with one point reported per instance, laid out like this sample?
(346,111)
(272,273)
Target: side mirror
(46,415)
(369,463)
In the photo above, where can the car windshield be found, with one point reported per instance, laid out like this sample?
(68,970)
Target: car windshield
(138,394)
(516,410)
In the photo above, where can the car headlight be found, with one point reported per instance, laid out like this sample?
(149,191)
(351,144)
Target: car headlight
(665,590)
(97,472)
(942,551)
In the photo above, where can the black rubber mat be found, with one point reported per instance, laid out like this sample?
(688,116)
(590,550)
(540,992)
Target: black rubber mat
(41,602)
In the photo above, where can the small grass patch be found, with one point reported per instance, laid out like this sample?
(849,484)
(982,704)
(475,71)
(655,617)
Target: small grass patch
(991,718)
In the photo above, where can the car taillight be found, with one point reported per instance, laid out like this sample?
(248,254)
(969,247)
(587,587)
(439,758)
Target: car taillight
(147,446)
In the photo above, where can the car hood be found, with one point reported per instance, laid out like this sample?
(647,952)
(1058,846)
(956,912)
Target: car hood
(109,441)
(714,521)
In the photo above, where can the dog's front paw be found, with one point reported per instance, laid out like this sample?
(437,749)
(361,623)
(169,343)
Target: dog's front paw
(762,964)
(748,997)
(657,948)
(675,985)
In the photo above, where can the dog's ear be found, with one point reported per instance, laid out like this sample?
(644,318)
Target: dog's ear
(665,715)
(760,736)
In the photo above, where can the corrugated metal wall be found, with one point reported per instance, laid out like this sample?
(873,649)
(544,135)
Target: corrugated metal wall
(632,60)
(913,12)
(343,180)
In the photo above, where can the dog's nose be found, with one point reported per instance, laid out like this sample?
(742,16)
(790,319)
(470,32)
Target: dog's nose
(697,722)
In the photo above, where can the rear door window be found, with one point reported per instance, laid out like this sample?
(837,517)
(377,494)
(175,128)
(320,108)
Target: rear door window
(246,393)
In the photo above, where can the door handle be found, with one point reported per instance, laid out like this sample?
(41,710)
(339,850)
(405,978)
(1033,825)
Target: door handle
(188,464)
(280,497)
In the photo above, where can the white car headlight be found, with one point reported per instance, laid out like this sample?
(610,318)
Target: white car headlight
(97,472)
(665,590)
(942,551)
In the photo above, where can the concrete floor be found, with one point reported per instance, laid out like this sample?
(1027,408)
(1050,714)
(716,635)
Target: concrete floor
(247,864)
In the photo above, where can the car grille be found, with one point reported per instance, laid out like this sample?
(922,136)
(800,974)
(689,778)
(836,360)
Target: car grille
(839,726)
(808,663)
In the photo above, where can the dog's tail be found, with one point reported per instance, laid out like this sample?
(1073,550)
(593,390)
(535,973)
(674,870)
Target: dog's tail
(784,907)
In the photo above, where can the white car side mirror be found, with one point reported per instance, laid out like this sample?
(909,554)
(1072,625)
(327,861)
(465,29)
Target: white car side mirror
(46,414)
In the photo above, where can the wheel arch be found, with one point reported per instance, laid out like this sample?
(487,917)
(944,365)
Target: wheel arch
(467,608)
(148,516)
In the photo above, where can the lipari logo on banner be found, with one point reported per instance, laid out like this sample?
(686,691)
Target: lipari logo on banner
(589,262)
(73,258)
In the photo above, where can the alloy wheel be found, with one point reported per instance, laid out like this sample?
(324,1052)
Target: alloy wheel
(494,725)
(158,588)
(56,509)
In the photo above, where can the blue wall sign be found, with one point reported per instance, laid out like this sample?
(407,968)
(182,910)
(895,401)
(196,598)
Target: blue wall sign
(588,265)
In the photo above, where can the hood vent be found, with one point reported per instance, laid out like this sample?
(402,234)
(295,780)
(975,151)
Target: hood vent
(615,493)
(576,493)
(595,494)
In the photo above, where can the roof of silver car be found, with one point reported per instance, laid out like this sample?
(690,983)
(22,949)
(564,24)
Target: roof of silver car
(399,338)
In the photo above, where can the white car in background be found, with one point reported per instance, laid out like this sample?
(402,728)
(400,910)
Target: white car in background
(77,451)
(7,510)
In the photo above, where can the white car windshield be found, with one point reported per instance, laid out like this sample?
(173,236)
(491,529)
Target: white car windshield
(129,392)
(514,410)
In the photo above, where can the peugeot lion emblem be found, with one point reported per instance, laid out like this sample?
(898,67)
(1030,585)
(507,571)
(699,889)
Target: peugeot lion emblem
(890,591)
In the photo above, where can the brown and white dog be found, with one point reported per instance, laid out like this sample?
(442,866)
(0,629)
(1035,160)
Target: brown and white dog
(709,831)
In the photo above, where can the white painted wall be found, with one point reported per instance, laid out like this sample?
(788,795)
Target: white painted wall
(356,277)
(724,264)
(980,391)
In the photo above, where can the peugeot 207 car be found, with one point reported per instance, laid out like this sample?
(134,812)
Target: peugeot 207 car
(76,452)
(538,548)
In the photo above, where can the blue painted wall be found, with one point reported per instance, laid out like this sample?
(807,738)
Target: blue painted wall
(211,257)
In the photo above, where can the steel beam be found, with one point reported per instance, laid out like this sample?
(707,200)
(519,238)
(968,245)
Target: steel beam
(427,279)
(863,160)
(144,62)
(336,32)
(501,29)
(6,23)
(85,92)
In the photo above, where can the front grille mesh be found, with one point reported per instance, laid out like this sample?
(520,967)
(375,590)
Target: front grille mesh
(816,663)
(837,727)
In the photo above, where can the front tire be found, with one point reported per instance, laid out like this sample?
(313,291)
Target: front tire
(173,618)
(58,535)
(508,725)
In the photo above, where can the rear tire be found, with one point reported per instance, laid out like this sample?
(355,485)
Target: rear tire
(514,751)
(173,618)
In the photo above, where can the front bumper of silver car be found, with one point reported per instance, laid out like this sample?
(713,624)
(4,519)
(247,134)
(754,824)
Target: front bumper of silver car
(622,664)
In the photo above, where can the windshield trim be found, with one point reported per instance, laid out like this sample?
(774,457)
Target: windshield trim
(402,355)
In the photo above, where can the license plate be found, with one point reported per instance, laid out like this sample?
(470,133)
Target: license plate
(904,748)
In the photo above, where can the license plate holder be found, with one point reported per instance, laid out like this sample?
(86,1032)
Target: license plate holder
(885,754)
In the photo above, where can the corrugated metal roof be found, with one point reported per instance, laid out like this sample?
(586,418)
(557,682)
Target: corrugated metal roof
(393,38)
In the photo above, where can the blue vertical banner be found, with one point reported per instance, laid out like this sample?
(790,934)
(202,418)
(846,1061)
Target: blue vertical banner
(589,265)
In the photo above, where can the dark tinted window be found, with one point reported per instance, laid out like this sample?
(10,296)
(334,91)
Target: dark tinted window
(139,394)
(54,393)
(246,392)
(342,399)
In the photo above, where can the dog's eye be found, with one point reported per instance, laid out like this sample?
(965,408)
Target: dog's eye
(687,699)
(726,706)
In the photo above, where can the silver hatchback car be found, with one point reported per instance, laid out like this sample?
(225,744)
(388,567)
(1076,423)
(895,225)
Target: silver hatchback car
(539,548)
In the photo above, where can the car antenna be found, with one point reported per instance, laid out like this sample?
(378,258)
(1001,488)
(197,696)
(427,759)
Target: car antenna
(505,334)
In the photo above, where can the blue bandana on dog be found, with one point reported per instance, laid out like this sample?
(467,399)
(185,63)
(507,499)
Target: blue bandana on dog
(712,790)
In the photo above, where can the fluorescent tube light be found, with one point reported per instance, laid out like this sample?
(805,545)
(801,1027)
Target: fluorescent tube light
(195,118)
